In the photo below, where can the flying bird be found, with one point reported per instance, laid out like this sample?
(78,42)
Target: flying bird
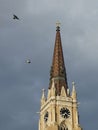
(28,61)
(15,17)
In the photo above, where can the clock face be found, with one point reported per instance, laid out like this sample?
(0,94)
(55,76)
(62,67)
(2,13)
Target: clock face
(65,113)
(46,117)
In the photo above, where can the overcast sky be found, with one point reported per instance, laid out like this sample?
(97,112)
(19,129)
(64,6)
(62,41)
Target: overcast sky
(33,37)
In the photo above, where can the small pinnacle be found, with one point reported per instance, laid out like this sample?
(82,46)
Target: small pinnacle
(43,91)
(73,83)
(43,94)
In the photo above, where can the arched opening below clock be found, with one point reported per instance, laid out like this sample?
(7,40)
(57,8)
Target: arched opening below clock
(63,127)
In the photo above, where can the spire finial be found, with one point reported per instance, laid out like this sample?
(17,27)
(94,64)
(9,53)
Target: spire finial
(58,23)
(58,26)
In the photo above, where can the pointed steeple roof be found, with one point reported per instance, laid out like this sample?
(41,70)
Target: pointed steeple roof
(58,70)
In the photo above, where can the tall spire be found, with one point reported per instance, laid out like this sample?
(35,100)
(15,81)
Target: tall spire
(58,70)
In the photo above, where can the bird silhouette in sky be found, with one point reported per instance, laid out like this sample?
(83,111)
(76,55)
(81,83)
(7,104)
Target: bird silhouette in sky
(15,17)
(28,61)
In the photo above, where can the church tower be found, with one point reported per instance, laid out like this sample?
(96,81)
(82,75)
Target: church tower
(59,110)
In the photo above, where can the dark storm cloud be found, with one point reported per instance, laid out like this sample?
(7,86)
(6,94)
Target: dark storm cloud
(33,37)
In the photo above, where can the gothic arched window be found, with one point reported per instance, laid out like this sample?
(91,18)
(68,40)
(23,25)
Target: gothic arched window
(63,127)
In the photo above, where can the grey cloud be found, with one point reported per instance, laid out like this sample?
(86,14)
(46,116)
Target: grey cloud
(33,37)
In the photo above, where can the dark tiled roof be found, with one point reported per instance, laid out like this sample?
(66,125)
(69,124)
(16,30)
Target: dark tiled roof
(58,70)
